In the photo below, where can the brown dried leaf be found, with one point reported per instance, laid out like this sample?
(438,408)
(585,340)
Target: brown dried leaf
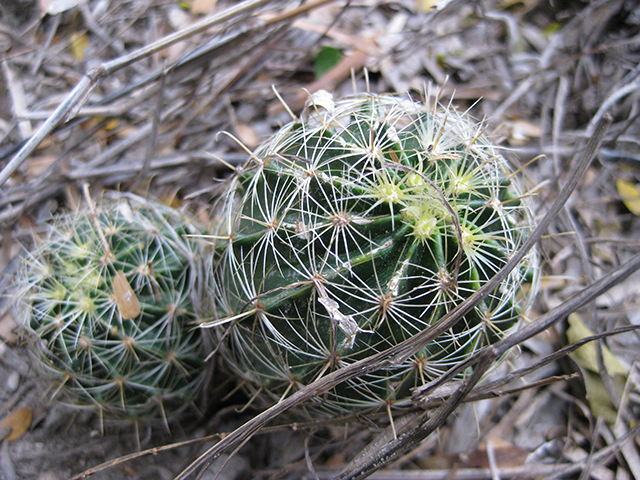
(247,135)
(38,165)
(128,303)
(17,423)
(506,455)
(8,328)
(203,6)
(354,61)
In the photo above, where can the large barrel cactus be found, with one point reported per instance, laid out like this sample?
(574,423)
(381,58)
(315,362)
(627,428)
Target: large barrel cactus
(108,296)
(352,230)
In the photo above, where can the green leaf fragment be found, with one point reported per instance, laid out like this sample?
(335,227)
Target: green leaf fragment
(327,58)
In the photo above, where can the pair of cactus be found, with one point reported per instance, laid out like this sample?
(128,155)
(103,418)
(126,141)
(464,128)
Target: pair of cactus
(345,234)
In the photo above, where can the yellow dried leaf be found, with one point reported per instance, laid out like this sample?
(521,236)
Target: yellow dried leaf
(430,5)
(128,303)
(586,357)
(111,124)
(17,423)
(630,195)
(79,45)
(598,397)
(171,198)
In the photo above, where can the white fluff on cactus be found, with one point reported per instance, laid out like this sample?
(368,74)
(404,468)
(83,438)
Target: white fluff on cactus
(355,228)
(108,295)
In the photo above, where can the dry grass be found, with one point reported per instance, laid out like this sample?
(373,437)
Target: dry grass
(151,92)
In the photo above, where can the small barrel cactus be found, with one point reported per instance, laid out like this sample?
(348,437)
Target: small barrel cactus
(108,294)
(356,228)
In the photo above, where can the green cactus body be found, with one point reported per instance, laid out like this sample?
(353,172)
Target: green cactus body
(139,367)
(352,231)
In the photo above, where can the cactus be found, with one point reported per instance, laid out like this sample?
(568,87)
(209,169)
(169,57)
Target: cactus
(108,296)
(353,230)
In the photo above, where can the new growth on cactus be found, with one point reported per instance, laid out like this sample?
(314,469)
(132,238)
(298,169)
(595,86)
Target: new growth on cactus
(108,294)
(356,228)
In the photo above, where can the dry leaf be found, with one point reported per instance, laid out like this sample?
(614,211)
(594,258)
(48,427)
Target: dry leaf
(630,195)
(352,62)
(8,329)
(576,454)
(112,124)
(322,99)
(79,45)
(54,7)
(430,5)
(247,135)
(521,132)
(38,165)
(599,401)
(128,303)
(506,455)
(202,6)
(170,197)
(17,423)
(586,357)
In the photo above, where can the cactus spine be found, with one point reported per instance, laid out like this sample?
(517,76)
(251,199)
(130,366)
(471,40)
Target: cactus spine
(108,295)
(353,230)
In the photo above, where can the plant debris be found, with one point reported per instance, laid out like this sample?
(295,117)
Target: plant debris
(131,96)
